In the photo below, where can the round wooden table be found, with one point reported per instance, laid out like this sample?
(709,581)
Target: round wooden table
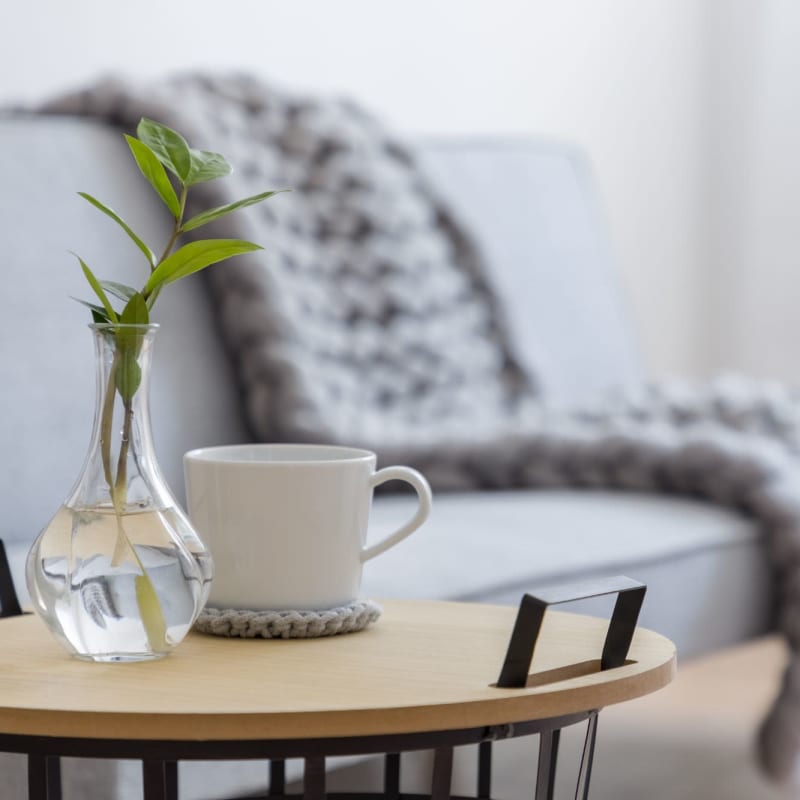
(422,677)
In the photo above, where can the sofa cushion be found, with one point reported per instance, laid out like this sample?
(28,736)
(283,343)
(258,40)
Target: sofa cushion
(492,547)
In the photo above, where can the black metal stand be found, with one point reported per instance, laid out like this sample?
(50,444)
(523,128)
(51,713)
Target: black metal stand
(159,759)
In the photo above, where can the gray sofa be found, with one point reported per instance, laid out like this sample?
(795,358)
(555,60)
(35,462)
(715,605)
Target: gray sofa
(531,208)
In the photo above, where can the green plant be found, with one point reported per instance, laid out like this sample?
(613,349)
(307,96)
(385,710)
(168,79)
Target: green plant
(159,152)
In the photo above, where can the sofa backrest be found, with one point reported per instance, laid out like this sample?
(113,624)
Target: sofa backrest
(528,205)
(534,213)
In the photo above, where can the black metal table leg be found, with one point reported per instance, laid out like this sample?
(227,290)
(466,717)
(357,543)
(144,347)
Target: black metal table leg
(585,773)
(54,778)
(391,777)
(160,780)
(442,773)
(314,779)
(277,777)
(171,779)
(44,777)
(37,777)
(548,758)
(484,770)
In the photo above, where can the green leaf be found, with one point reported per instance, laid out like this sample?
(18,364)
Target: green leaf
(119,290)
(129,373)
(205,166)
(194,257)
(98,312)
(220,211)
(149,255)
(129,344)
(169,146)
(98,289)
(155,173)
(135,312)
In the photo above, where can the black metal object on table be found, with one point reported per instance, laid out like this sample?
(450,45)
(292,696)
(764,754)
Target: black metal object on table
(9,602)
(532,608)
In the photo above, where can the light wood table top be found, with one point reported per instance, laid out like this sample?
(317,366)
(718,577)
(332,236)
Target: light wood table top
(424,666)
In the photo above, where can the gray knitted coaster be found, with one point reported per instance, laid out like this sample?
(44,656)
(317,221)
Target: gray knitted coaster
(288,624)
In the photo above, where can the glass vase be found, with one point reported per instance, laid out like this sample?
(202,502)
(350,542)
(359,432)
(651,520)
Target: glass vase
(119,574)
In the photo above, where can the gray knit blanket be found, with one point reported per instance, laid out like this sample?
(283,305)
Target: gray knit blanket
(369,319)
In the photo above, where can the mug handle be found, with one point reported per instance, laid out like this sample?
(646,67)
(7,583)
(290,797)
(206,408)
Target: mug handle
(423,490)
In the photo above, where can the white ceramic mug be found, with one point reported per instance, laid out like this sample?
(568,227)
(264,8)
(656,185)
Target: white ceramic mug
(286,524)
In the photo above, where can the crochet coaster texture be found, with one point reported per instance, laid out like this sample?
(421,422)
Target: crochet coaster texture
(287,624)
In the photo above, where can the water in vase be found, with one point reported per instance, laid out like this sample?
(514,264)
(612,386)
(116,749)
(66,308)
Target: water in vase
(119,587)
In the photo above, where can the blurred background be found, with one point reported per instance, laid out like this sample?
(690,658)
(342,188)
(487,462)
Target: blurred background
(689,111)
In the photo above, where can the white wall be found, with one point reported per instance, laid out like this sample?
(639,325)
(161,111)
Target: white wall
(755,182)
(625,79)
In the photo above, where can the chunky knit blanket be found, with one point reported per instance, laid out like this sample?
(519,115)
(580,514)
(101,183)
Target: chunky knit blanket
(369,320)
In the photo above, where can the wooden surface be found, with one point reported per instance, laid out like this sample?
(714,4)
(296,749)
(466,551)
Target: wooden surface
(423,666)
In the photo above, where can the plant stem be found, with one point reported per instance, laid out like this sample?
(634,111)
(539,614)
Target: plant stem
(176,232)
(107,423)
(121,484)
(152,615)
(119,489)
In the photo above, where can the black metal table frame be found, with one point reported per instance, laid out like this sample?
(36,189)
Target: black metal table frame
(160,758)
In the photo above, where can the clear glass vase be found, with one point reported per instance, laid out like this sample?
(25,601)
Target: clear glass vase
(119,574)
